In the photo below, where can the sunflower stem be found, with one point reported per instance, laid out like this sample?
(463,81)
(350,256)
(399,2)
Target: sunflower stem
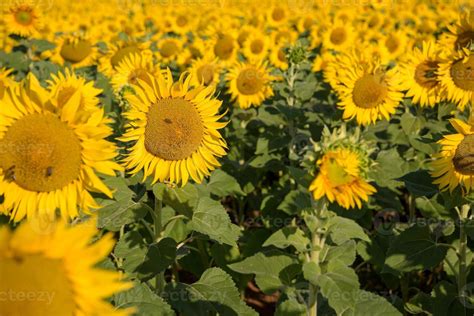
(317,243)
(462,252)
(160,277)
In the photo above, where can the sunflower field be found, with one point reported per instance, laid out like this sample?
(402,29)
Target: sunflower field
(236,157)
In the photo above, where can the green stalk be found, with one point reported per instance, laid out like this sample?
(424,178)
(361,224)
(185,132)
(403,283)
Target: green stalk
(313,289)
(317,242)
(462,252)
(160,278)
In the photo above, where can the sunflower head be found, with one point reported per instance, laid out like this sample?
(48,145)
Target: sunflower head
(369,91)
(52,144)
(174,127)
(47,265)
(456,77)
(249,84)
(342,169)
(24,19)
(453,166)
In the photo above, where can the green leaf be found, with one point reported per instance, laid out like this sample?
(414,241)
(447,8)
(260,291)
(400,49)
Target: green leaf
(419,304)
(345,252)
(295,201)
(414,249)
(389,167)
(114,216)
(158,258)
(223,184)
(176,229)
(182,200)
(420,183)
(272,269)
(445,300)
(123,209)
(339,285)
(432,208)
(410,123)
(214,293)
(291,307)
(144,301)
(367,303)
(40,46)
(210,218)
(288,236)
(343,229)
(144,261)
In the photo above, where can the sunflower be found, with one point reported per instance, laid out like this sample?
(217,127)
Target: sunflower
(339,36)
(457,77)
(340,178)
(182,22)
(59,268)
(396,42)
(224,47)
(169,49)
(284,35)
(131,68)
(256,47)
(76,50)
(418,75)
(174,128)
(460,35)
(278,57)
(118,51)
(62,87)
(277,16)
(205,71)
(454,164)
(249,84)
(54,143)
(22,18)
(367,91)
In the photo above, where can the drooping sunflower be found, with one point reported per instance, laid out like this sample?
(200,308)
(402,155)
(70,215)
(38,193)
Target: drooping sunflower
(205,71)
(76,50)
(249,84)
(57,268)
(53,145)
(131,68)
(340,178)
(367,90)
(22,18)
(175,130)
(418,75)
(117,51)
(454,164)
(457,77)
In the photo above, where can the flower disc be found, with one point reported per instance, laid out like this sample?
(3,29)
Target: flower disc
(174,130)
(369,91)
(42,153)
